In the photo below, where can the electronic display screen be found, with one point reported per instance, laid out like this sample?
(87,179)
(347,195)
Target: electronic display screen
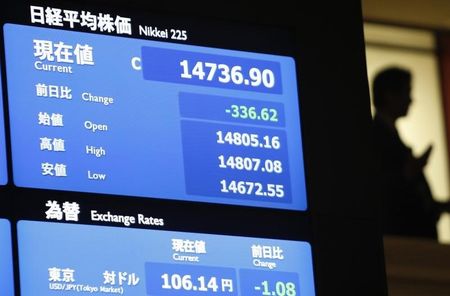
(150,154)
(153,119)
(6,262)
(3,167)
(71,259)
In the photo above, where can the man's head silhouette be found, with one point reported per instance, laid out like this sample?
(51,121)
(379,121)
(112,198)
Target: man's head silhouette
(392,92)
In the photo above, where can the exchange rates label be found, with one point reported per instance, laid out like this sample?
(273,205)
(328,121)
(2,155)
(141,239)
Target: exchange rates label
(70,259)
(6,264)
(153,119)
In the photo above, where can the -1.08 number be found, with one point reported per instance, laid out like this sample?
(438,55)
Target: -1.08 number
(226,74)
(252,188)
(280,289)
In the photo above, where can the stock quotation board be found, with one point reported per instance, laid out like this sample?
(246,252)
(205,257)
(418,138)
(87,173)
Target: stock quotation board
(138,156)
(122,116)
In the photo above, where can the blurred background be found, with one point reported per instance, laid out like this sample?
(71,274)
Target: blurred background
(415,34)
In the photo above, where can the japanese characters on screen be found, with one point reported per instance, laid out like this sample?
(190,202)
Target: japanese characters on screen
(117,131)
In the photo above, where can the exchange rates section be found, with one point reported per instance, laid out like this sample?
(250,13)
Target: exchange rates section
(3,167)
(6,263)
(69,259)
(153,119)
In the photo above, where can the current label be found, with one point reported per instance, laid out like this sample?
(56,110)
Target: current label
(70,259)
(153,119)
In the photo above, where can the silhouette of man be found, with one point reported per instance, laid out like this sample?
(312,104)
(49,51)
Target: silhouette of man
(408,207)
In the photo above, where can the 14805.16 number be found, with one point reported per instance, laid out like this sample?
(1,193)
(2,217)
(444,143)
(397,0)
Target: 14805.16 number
(248,140)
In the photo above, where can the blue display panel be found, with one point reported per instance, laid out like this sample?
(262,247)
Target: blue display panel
(3,168)
(6,264)
(68,259)
(153,119)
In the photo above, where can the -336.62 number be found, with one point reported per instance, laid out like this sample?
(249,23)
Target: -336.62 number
(252,113)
